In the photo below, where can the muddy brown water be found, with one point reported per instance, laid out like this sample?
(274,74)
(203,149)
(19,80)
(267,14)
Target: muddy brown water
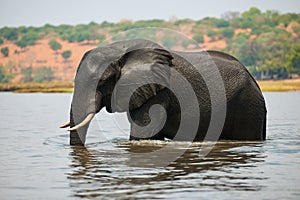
(36,161)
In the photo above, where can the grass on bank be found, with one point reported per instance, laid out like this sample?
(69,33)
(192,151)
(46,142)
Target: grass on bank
(279,85)
(46,87)
(45,90)
(60,87)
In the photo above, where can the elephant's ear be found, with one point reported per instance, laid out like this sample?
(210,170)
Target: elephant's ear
(144,72)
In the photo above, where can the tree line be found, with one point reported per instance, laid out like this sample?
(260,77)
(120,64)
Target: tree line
(270,47)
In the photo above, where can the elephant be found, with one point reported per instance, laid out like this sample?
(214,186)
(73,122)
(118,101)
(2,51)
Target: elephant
(137,76)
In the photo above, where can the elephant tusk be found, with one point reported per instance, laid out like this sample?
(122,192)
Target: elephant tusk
(83,123)
(65,125)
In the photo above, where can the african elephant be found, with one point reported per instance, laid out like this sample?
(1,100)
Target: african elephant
(146,71)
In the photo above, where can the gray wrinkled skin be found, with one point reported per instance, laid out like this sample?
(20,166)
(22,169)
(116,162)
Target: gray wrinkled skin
(151,74)
(90,71)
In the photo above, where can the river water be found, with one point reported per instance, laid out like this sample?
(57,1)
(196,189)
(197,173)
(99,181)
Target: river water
(36,161)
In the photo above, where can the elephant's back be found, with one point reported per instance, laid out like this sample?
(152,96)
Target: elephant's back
(202,66)
(231,63)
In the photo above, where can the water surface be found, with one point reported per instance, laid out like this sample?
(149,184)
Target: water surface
(37,162)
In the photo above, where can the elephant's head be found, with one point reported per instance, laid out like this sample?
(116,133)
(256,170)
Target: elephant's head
(130,62)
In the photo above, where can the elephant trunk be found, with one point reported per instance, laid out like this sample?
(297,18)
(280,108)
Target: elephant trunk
(74,136)
(81,115)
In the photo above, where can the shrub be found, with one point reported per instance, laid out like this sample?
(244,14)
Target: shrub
(168,41)
(54,45)
(106,24)
(27,74)
(9,33)
(28,39)
(221,23)
(4,76)
(228,32)
(198,38)
(5,51)
(183,21)
(211,33)
(43,74)
(66,54)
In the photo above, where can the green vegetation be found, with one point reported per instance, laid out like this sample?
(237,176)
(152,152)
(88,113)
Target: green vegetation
(28,39)
(4,75)
(222,23)
(228,32)
(39,75)
(43,74)
(293,59)
(27,74)
(10,34)
(5,51)
(267,43)
(211,33)
(169,42)
(79,33)
(269,55)
(198,38)
(54,45)
(127,25)
(66,54)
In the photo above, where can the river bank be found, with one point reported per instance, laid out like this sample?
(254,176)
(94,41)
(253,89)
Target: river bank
(61,87)
(47,87)
(286,85)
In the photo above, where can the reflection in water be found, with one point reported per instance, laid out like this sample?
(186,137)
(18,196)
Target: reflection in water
(108,173)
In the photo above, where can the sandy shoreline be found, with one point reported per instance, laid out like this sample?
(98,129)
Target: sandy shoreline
(61,87)
(279,85)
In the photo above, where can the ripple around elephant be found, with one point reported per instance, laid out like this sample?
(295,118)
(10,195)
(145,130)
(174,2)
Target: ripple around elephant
(107,75)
